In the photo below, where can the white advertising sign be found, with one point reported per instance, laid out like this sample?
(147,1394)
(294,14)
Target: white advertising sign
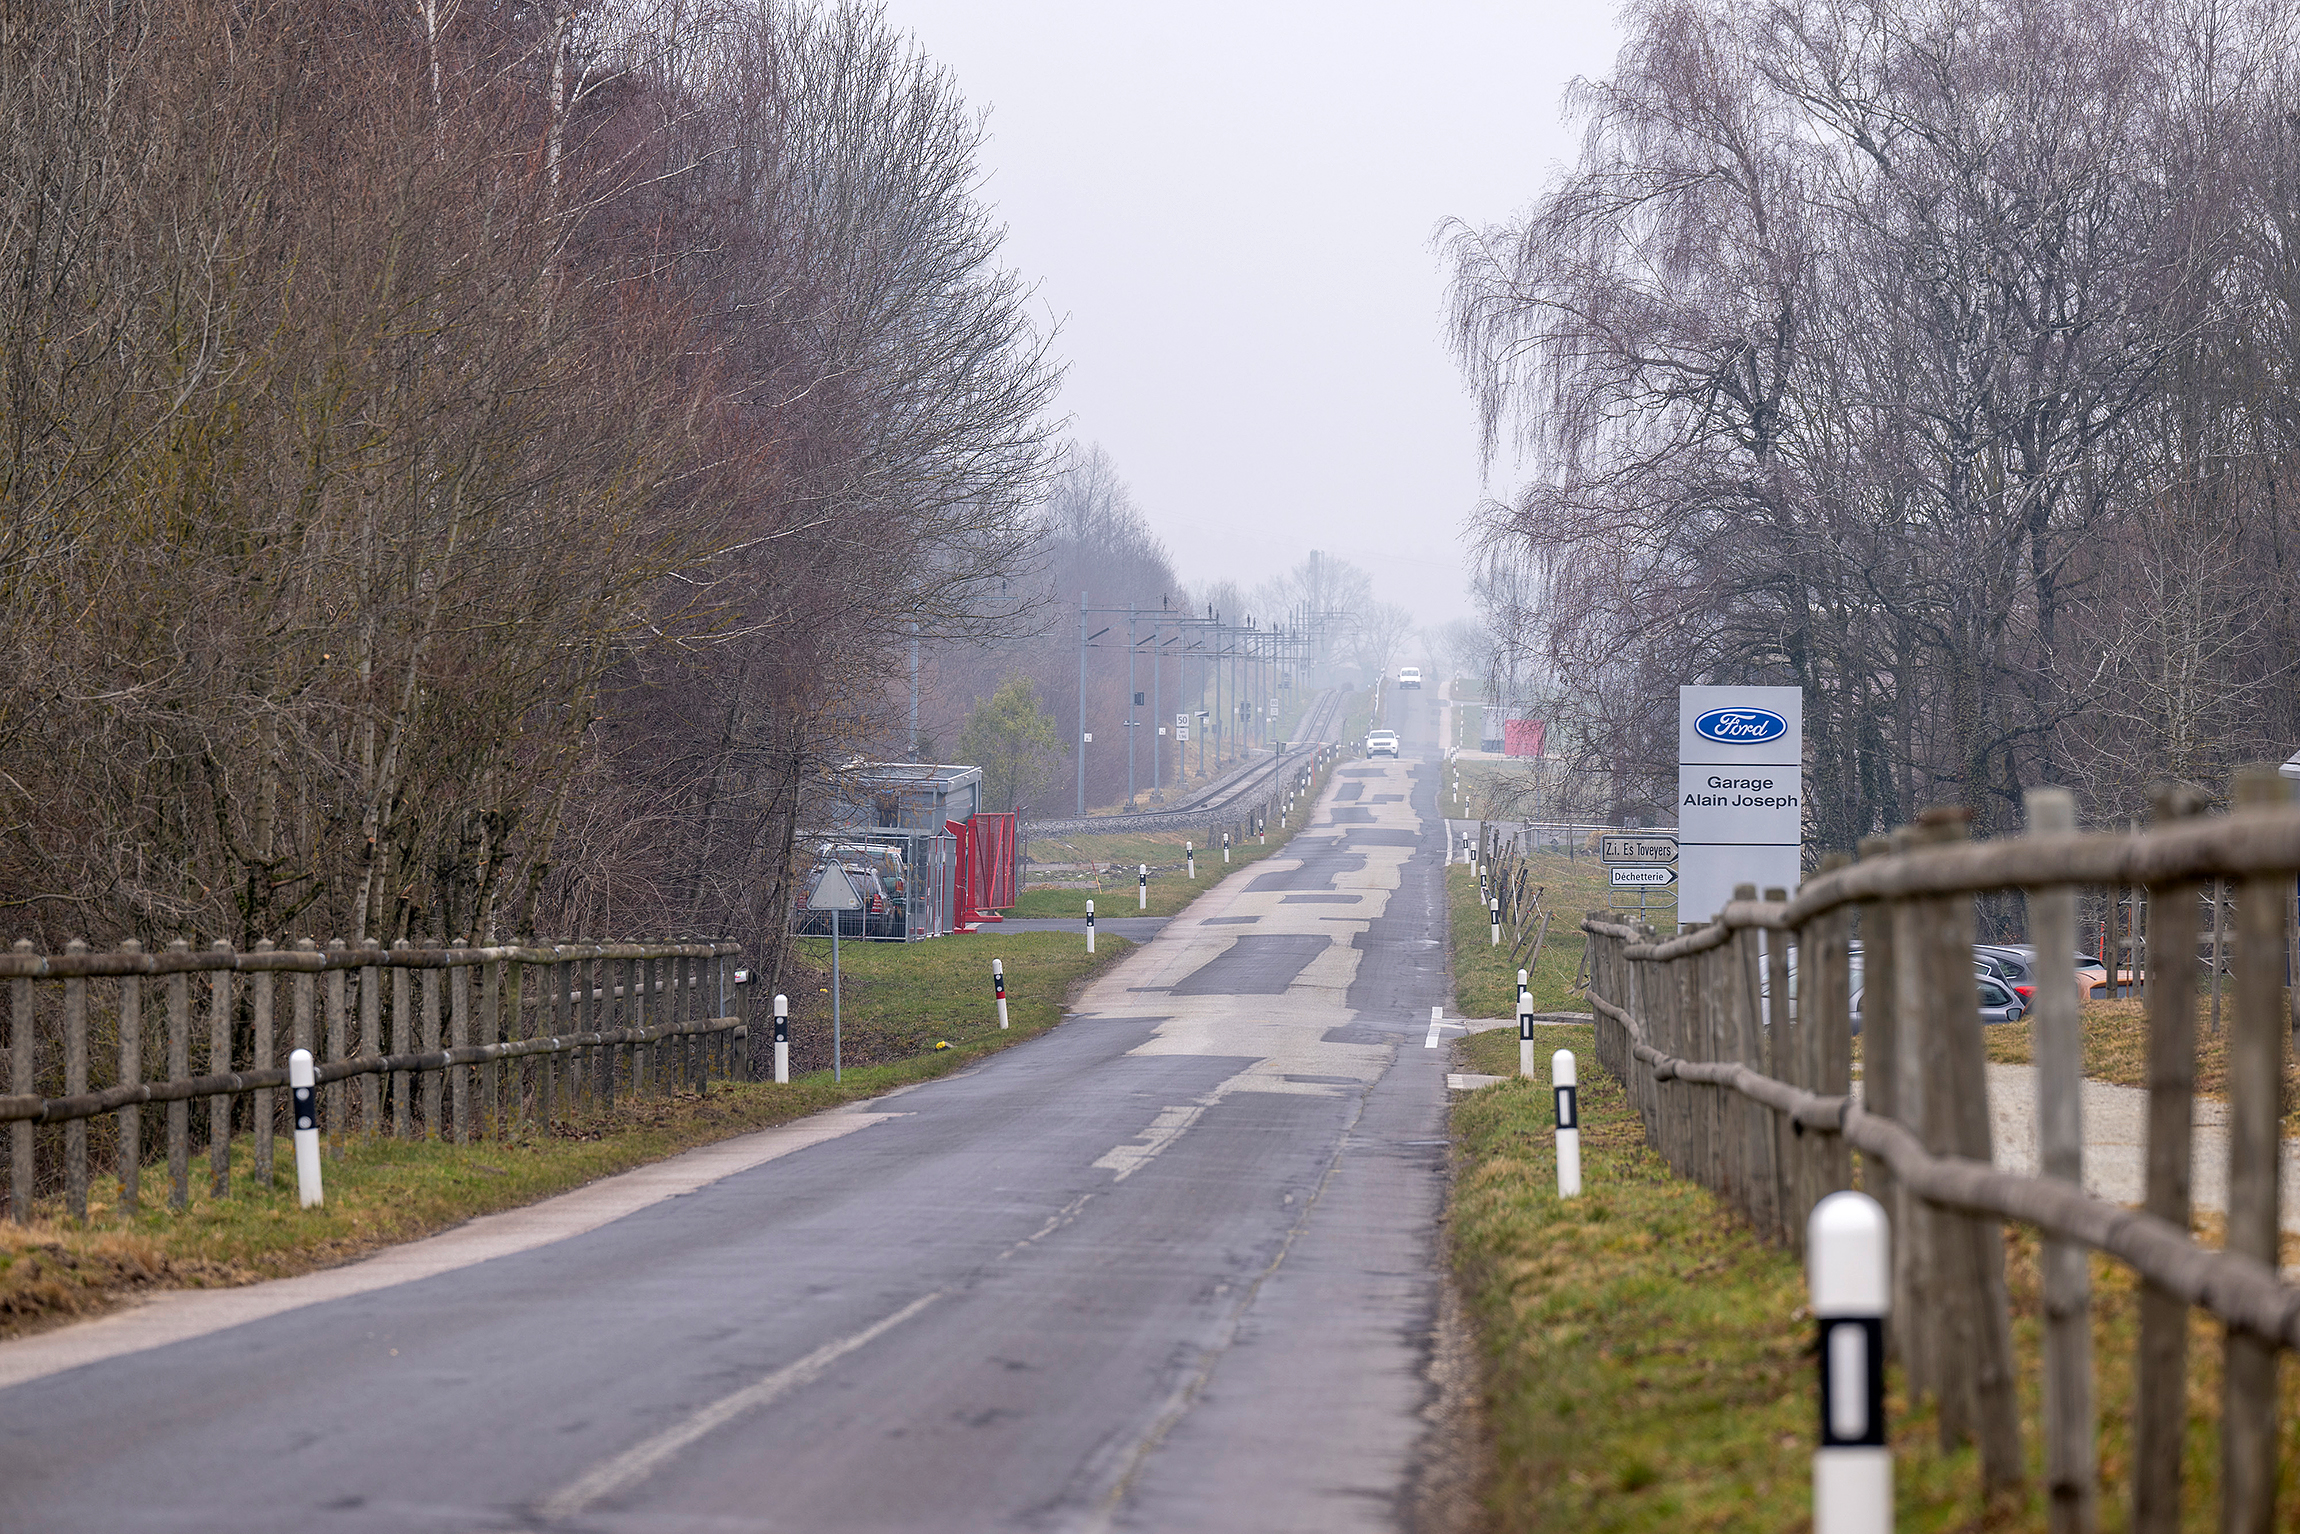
(1740,793)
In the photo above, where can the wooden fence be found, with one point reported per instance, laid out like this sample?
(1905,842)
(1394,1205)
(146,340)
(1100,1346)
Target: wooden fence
(1505,884)
(478,1038)
(1744,1082)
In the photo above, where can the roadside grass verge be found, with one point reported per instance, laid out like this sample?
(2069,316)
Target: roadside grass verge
(1485,977)
(1648,1361)
(899,1001)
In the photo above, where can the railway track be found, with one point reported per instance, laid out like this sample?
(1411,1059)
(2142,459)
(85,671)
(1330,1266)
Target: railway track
(1224,800)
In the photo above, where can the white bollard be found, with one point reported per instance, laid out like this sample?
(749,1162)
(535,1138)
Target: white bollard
(1524,1034)
(1494,911)
(782,1039)
(1142,887)
(1566,1088)
(1848,1250)
(998,984)
(1225,847)
(1089,926)
(1190,856)
(306,1103)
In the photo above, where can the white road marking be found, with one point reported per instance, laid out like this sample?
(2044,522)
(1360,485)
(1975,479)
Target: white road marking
(635,1464)
(1170,1125)
(1436,1026)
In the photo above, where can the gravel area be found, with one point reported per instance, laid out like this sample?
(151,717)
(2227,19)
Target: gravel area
(2116,1141)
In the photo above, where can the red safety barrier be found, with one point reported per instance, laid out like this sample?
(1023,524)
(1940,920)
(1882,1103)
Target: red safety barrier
(1523,737)
(985,880)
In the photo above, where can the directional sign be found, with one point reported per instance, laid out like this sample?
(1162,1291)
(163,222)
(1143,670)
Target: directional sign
(1638,847)
(834,891)
(1642,877)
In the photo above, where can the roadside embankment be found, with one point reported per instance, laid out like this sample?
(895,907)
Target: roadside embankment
(1647,1360)
(900,1000)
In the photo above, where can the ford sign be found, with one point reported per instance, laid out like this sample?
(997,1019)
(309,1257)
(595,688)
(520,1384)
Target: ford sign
(1740,726)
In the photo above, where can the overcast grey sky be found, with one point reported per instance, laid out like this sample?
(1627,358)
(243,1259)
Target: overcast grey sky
(1229,209)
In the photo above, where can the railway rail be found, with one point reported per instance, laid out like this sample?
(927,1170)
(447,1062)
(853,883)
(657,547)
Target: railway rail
(1223,801)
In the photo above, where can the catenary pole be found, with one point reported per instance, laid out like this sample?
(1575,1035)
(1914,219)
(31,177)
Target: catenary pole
(1078,735)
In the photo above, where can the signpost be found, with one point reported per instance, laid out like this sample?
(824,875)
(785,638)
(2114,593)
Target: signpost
(1644,861)
(834,892)
(1740,793)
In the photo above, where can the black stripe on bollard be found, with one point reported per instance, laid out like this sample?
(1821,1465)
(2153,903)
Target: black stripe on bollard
(1569,1107)
(1852,1350)
(306,1111)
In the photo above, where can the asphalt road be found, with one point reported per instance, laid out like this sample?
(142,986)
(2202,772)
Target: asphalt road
(1172,1266)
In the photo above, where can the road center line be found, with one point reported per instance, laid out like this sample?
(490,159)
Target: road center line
(642,1460)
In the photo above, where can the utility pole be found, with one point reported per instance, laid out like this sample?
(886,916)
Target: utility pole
(914,689)
(1132,724)
(1157,719)
(1080,742)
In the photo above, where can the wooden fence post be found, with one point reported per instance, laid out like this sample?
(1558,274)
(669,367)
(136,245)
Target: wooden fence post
(1761,1125)
(402,1043)
(551,1020)
(131,1153)
(578,1022)
(1902,1032)
(260,1006)
(1828,1031)
(370,1036)
(522,1023)
(2160,1381)
(76,1082)
(616,977)
(2071,1461)
(491,975)
(338,1048)
(1979,1391)
(459,1037)
(1781,1037)
(432,1080)
(23,1081)
(2256,1067)
(179,1067)
(220,1060)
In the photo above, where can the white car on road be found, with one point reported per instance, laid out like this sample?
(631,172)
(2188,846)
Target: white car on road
(1409,676)
(1382,743)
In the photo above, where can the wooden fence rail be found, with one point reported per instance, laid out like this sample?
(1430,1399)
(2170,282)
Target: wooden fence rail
(1734,1043)
(462,1060)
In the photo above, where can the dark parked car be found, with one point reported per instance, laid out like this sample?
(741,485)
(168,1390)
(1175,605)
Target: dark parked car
(1999,1003)
(2016,965)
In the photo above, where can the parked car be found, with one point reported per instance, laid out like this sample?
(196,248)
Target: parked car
(1997,1001)
(2016,965)
(1382,743)
(1409,676)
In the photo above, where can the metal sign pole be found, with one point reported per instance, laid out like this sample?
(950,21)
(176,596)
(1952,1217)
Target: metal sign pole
(837,919)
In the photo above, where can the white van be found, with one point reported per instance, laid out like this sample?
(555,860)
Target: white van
(1409,676)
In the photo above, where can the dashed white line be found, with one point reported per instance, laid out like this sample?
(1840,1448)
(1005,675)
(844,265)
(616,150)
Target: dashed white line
(635,1464)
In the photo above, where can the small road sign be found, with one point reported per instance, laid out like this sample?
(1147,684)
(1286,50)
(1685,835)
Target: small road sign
(1642,877)
(1637,847)
(834,891)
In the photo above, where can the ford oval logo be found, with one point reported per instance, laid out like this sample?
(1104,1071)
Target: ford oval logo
(1740,726)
